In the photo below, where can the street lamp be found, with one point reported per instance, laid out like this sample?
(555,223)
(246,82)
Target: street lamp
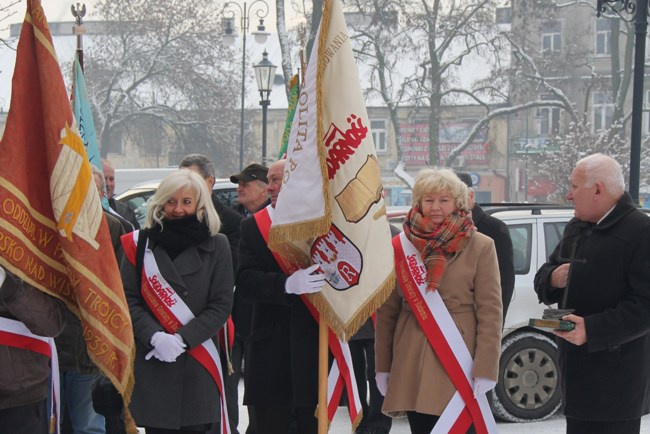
(261,9)
(640,10)
(265,75)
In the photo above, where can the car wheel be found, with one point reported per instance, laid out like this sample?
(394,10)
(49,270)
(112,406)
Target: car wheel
(529,386)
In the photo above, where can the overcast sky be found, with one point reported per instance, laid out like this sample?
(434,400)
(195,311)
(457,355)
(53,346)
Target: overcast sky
(59,10)
(55,10)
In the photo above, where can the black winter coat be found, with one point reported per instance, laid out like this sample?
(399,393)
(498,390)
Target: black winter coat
(25,374)
(282,349)
(608,378)
(182,393)
(498,231)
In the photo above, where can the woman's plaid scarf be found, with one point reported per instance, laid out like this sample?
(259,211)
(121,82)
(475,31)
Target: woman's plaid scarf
(436,243)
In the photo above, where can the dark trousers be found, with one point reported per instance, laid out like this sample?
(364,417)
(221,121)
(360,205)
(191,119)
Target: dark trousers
(275,420)
(423,423)
(363,362)
(231,384)
(577,426)
(26,419)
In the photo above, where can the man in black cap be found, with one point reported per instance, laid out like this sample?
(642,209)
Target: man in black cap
(498,231)
(251,192)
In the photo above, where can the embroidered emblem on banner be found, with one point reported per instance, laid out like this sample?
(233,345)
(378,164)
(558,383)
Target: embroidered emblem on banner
(339,258)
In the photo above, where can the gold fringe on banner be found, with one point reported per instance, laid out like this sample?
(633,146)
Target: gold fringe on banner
(345,331)
(320,133)
(357,421)
(309,229)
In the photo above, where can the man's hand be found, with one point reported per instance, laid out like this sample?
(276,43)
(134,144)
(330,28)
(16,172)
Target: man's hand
(305,281)
(559,276)
(577,336)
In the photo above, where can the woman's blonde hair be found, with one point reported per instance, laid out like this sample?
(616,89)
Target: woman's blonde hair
(182,180)
(436,181)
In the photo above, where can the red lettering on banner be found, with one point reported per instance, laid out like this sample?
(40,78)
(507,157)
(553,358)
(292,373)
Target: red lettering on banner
(348,272)
(341,145)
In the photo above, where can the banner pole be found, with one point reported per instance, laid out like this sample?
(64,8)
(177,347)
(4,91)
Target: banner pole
(323,352)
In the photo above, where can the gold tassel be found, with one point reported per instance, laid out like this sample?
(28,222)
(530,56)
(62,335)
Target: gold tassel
(129,422)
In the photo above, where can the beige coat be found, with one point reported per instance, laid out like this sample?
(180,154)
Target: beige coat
(471,291)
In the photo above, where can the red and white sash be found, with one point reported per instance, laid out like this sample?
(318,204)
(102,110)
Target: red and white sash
(341,372)
(447,342)
(15,334)
(172,312)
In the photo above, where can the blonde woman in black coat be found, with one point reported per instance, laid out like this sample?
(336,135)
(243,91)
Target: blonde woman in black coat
(182,299)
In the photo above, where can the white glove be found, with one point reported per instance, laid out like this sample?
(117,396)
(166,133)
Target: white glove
(381,378)
(305,281)
(482,386)
(166,347)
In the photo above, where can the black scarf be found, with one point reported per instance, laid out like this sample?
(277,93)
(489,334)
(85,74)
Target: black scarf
(178,234)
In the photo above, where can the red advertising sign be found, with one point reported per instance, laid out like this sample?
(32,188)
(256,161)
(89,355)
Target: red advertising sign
(415,143)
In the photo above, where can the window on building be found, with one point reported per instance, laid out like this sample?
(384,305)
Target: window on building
(549,121)
(504,15)
(378,128)
(603,109)
(603,37)
(552,36)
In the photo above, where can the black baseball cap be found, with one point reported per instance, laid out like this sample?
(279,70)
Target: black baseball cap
(251,173)
(465,177)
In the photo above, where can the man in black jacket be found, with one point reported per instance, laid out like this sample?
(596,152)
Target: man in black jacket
(498,231)
(281,373)
(230,221)
(78,373)
(251,189)
(24,372)
(120,208)
(601,270)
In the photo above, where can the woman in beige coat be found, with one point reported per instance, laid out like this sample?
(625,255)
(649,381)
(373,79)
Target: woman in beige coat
(461,264)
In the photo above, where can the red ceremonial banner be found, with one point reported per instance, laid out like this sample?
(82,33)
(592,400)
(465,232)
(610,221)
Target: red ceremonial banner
(53,233)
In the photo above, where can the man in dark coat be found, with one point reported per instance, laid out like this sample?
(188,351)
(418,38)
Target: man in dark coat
(498,231)
(24,372)
(78,373)
(281,372)
(230,221)
(251,189)
(601,269)
(120,208)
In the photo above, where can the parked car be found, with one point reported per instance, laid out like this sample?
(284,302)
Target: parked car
(138,196)
(528,388)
